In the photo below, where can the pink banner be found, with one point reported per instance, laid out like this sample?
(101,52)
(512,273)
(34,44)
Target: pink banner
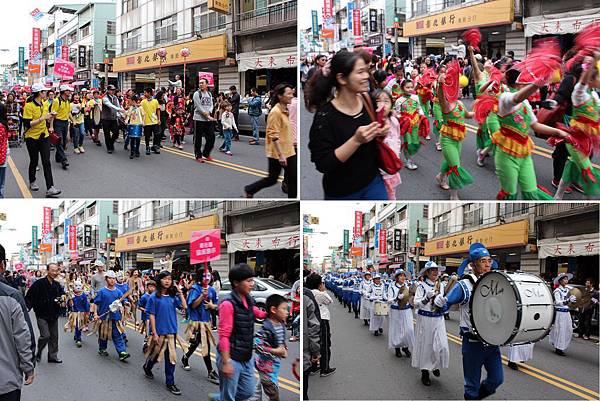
(64,69)
(382,242)
(357,224)
(72,237)
(36,40)
(356,23)
(327,9)
(209,76)
(64,52)
(205,246)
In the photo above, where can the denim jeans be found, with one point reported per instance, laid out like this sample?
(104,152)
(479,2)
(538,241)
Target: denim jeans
(374,191)
(61,127)
(241,385)
(254,120)
(226,147)
(2,178)
(78,133)
(135,145)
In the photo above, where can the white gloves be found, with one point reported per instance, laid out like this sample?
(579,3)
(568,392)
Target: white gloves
(400,296)
(430,294)
(572,298)
(115,306)
(439,301)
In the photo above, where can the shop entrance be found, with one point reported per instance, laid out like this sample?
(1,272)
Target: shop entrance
(282,264)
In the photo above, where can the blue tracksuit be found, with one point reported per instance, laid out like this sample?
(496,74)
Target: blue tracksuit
(103,299)
(80,304)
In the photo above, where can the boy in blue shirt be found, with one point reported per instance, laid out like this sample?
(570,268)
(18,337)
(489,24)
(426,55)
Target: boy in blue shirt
(270,348)
(162,309)
(143,301)
(80,312)
(200,303)
(108,323)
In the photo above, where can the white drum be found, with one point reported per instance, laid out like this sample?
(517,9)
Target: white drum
(381,308)
(511,308)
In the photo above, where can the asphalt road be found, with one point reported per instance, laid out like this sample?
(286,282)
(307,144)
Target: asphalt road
(84,375)
(367,369)
(172,174)
(420,184)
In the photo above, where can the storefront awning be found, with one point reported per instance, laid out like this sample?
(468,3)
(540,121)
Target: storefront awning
(498,236)
(286,57)
(578,245)
(264,240)
(558,24)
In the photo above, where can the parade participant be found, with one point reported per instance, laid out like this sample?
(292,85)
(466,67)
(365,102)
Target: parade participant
(393,140)
(201,300)
(162,310)
(316,285)
(80,312)
(586,119)
(393,85)
(279,144)
(342,135)
(562,330)
(365,303)
(355,296)
(77,124)
(45,296)
(519,353)
(134,118)
(61,110)
(270,348)
(109,117)
(475,353)
(145,319)
(107,319)
(430,349)
(177,125)
(409,110)
(346,293)
(151,110)
(123,286)
(236,332)
(376,295)
(35,115)
(228,122)
(204,123)
(401,331)
(452,175)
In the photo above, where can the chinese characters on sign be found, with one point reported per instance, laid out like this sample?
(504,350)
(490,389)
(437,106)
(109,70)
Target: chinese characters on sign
(46,245)
(558,26)
(382,242)
(357,224)
(72,237)
(205,246)
(356,24)
(64,69)
(550,248)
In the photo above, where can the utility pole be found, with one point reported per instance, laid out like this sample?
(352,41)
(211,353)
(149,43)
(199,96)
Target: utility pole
(417,248)
(107,242)
(105,61)
(396,21)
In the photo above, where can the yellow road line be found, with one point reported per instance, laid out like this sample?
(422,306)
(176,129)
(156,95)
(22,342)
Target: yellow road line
(19,178)
(295,389)
(222,163)
(540,151)
(535,372)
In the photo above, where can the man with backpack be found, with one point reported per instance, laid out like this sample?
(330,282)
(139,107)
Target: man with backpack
(254,112)
(204,123)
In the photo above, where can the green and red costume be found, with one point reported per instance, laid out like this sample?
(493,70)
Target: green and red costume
(514,164)
(453,132)
(408,107)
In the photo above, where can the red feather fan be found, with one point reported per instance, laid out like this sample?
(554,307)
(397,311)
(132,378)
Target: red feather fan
(483,106)
(588,38)
(428,77)
(404,125)
(450,84)
(423,127)
(584,143)
(473,37)
(496,75)
(541,62)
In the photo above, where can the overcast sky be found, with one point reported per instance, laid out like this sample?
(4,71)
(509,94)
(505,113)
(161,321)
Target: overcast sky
(17,24)
(334,218)
(21,215)
(305,17)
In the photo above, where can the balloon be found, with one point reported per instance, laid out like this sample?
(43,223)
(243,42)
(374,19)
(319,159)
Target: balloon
(555,77)
(463,81)
(162,52)
(598,65)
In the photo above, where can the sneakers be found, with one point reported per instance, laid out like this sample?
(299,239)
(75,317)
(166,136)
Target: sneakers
(577,187)
(559,352)
(78,344)
(102,352)
(52,192)
(555,185)
(123,356)
(185,363)
(438,147)
(34,187)
(436,372)
(228,153)
(81,149)
(411,165)
(76,150)
(213,377)
(200,159)
(406,352)
(428,137)
(147,151)
(425,378)
(173,389)
(480,158)
(148,372)
(328,372)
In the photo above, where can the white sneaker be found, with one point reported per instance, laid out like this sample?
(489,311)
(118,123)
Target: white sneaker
(229,153)
(411,166)
(34,187)
(480,158)
(428,137)
(52,192)
(76,150)
(438,146)
(81,149)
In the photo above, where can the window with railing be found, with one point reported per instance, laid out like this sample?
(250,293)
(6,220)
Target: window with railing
(441,224)
(206,21)
(472,215)
(129,5)
(130,40)
(84,31)
(111,27)
(131,220)
(165,30)
(162,211)
(91,210)
(273,13)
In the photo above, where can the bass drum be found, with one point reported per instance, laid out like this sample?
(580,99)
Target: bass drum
(511,308)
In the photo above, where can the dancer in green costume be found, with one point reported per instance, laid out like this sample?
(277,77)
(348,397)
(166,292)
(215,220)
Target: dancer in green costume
(409,108)
(452,132)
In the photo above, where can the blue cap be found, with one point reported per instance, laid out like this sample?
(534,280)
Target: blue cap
(476,252)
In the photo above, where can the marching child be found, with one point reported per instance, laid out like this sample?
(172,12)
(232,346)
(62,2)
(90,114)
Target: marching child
(393,140)
(123,286)
(80,312)
(107,317)
(143,301)
(228,122)
(270,348)
(135,119)
(162,309)
(177,125)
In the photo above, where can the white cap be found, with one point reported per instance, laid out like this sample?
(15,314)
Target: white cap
(478,56)
(110,274)
(99,262)
(63,88)
(37,88)
(120,274)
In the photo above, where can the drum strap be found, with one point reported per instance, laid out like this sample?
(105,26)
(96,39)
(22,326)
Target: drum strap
(562,309)
(408,306)
(429,314)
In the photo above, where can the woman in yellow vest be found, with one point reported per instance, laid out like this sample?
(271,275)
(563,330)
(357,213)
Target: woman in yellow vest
(35,115)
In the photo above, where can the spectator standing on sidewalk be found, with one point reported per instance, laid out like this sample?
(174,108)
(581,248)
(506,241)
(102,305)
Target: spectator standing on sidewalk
(311,331)
(254,112)
(204,123)
(316,285)
(234,99)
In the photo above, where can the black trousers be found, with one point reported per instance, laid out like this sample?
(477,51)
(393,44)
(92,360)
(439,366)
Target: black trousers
(325,345)
(193,345)
(152,131)
(111,133)
(36,148)
(559,159)
(61,128)
(585,322)
(305,384)
(14,395)
(206,130)
(274,170)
